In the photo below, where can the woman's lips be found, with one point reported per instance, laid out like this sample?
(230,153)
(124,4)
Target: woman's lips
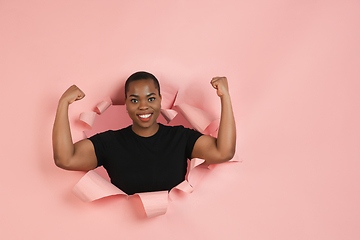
(144,117)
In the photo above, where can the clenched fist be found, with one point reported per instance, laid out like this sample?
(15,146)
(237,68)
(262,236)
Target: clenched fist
(221,85)
(72,94)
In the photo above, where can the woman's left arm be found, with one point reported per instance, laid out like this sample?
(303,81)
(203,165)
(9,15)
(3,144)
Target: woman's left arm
(222,148)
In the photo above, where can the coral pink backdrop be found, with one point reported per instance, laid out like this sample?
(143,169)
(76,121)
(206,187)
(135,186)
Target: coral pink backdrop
(293,71)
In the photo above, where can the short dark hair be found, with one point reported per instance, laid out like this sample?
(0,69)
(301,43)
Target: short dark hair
(140,76)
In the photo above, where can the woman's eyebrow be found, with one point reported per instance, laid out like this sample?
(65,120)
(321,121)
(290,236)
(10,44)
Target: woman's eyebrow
(147,95)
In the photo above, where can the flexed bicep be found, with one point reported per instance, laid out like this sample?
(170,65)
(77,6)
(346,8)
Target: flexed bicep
(206,148)
(84,157)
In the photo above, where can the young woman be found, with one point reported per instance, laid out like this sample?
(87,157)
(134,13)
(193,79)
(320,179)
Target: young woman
(146,156)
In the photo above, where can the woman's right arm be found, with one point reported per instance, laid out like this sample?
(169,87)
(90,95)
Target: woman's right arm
(67,155)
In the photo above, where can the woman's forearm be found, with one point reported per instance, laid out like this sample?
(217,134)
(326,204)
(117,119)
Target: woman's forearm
(63,146)
(226,139)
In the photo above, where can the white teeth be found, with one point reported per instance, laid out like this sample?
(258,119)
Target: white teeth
(145,115)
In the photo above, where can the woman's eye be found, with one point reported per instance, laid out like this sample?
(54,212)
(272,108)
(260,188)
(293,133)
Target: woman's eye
(151,99)
(134,100)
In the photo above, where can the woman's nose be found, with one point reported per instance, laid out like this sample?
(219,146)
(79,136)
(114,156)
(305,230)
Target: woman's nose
(143,106)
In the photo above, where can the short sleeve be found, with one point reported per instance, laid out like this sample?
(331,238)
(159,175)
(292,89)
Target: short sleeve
(99,142)
(192,137)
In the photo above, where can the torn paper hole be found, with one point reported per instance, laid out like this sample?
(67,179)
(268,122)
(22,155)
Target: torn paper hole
(92,186)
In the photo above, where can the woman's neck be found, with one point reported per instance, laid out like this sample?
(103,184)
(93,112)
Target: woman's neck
(145,132)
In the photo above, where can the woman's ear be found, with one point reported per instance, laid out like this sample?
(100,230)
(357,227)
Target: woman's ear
(160,101)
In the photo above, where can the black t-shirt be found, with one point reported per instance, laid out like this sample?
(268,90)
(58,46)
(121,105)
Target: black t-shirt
(142,164)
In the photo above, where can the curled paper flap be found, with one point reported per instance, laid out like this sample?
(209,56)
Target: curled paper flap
(168,114)
(196,171)
(184,186)
(92,187)
(195,162)
(155,203)
(168,96)
(88,118)
(198,118)
(101,107)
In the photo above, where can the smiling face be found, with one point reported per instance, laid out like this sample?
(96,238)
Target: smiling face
(143,104)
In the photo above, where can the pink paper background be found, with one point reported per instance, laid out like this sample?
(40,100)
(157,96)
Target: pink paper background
(293,70)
